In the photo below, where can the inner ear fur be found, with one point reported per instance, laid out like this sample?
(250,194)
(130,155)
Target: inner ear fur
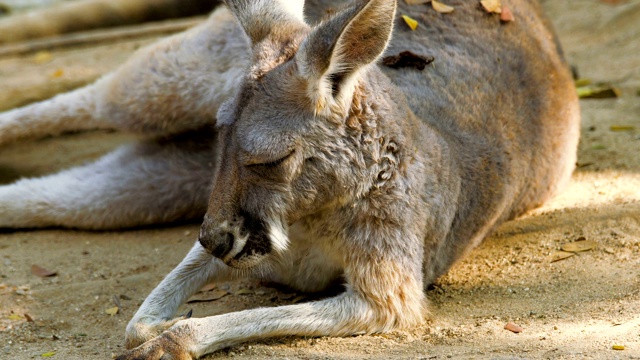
(331,57)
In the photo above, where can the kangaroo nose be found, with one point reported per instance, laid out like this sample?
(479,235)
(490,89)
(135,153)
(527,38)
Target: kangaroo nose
(219,244)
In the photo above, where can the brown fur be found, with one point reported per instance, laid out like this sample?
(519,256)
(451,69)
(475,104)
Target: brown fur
(325,166)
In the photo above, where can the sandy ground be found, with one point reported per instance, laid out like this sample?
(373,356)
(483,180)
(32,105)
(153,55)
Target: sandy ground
(574,308)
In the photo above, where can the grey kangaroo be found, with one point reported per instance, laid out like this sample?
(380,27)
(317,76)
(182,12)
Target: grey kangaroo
(312,163)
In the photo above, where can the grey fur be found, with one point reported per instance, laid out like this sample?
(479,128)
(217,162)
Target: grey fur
(326,166)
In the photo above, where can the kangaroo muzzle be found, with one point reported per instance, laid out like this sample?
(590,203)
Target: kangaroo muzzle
(241,243)
(219,244)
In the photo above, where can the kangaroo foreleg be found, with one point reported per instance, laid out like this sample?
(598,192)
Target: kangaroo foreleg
(157,312)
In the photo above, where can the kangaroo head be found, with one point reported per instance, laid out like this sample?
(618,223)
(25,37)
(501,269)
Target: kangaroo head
(296,139)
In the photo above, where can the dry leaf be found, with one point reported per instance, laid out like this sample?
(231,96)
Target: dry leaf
(286,296)
(579,246)
(597,92)
(42,57)
(513,327)
(28,317)
(561,255)
(416,2)
(441,8)
(582,82)
(208,287)
(492,6)
(208,296)
(57,74)
(617,347)
(622,128)
(506,15)
(42,272)
(243,292)
(15,317)
(48,354)
(413,24)
(298,298)
(407,59)
(112,311)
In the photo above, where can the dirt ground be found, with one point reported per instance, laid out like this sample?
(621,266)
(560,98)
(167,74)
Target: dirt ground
(575,308)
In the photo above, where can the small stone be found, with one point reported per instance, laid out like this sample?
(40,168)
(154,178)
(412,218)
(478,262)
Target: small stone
(513,328)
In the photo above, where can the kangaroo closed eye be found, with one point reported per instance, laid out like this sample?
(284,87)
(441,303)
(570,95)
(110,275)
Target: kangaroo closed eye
(271,163)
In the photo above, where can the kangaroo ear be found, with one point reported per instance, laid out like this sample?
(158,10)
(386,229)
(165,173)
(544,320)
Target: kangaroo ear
(332,55)
(262,18)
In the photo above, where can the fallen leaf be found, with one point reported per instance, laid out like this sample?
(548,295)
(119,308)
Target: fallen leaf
(28,317)
(513,327)
(42,272)
(506,15)
(15,317)
(42,57)
(48,354)
(622,128)
(561,255)
(441,8)
(617,347)
(298,298)
(286,296)
(492,6)
(208,287)
(597,92)
(57,74)
(598,147)
(583,165)
(416,2)
(243,292)
(112,311)
(413,24)
(208,296)
(23,290)
(582,82)
(579,246)
(407,59)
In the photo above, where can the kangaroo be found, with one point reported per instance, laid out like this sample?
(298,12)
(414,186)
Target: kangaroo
(323,167)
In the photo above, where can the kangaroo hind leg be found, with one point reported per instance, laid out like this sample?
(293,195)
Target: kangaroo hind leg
(174,85)
(138,184)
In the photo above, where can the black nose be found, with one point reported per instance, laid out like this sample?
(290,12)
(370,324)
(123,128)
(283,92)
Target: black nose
(219,244)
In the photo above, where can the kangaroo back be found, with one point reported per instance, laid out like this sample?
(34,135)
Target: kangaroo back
(502,95)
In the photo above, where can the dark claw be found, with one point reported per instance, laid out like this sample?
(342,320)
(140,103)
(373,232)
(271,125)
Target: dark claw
(188,314)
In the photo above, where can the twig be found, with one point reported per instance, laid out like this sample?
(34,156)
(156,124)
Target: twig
(99,36)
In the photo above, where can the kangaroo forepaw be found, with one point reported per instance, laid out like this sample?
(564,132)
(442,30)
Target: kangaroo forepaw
(142,331)
(165,346)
